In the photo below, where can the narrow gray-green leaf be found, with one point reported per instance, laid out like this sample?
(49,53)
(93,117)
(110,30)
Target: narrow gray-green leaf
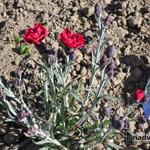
(42,142)
(10,115)
(46,91)
(147,89)
(115,146)
(10,108)
(44,148)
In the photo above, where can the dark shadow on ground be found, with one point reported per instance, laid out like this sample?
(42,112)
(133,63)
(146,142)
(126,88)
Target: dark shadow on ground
(139,71)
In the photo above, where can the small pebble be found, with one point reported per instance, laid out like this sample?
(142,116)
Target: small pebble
(83,71)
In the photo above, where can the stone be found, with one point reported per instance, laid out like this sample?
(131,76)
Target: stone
(20,3)
(124,4)
(74,73)
(29,90)
(120,111)
(138,19)
(107,1)
(1,8)
(99,147)
(121,75)
(117,62)
(132,125)
(116,81)
(120,32)
(86,57)
(66,2)
(83,71)
(77,67)
(79,57)
(127,49)
(123,21)
(134,21)
(1,46)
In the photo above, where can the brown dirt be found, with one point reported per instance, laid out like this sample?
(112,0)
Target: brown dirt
(130,32)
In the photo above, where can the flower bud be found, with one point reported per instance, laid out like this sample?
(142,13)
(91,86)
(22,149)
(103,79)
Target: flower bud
(103,61)
(106,110)
(110,69)
(109,20)
(21,116)
(117,123)
(52,56)
(72,55)
(110,51)
(31,132)
(111,66)
(98,10)
(17,82)
(18,73)
(111,74)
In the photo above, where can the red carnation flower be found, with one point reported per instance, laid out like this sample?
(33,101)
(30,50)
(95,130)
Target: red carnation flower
(36,34)
(70,39)
(139,95)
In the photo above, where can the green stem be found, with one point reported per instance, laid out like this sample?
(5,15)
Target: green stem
(51,141)
(129,111)
(96,100)
(104,136)
(95,63)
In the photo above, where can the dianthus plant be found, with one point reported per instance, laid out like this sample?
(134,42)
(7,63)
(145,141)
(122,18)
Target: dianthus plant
(69,119)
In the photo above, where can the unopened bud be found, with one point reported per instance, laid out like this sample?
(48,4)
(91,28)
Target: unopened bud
(103,61)
(18,79)
(18,73)
(106,110)
(110,51)
(110,69)
(98,10)
(17,82)
(111,66)
(31,132)
(118,123)
(110,74)
(72,55)
(21,116)
(109,20)
(52,56)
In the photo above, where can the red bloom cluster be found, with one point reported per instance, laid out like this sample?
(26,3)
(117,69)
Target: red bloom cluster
(139,95)
(70,39)
(36,34)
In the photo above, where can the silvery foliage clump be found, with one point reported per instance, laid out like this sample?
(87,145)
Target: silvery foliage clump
(69,118)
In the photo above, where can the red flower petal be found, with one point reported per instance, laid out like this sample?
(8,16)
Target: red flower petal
(70,39)
(139,95)
(36,34)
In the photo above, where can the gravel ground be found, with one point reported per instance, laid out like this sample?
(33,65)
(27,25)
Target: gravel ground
(130,32)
